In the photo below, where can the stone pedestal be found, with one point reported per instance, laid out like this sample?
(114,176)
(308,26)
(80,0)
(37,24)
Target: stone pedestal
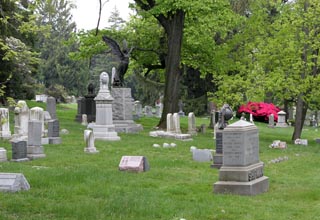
(104,128)
(122,110)
(241,172)
(218,156)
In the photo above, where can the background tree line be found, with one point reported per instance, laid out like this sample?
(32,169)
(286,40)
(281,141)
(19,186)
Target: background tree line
(226,51)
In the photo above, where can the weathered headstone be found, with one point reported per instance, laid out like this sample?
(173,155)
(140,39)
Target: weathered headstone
(36,113)
(53,132)
(138,109)
(104,128)
(13,182)
(89,139)
(35,149)
(192,129)
(170,127)
(242,171)
(84,120)
(271,121)
(251,119)
(4,123)
(281,120)
(19,150)
(181,105)
(51,107)
(148,111)
(176,123)
(202,155)
(3,154)
(21,119)
(122,109)
(134,164)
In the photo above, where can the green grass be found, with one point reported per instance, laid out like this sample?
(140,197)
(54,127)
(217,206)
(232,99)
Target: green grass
(69,184)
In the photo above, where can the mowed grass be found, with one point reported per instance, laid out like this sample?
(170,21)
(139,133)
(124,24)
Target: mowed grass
(70,184)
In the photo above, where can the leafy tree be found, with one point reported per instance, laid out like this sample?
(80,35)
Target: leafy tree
(57,68)
(17,59)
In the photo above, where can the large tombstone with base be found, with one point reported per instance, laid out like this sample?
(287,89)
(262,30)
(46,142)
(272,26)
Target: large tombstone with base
(122,111)
(35,149)
(13,182)
(87,105)
(4,123)
(281,120)
(104,128)
(53,131)
(242,171)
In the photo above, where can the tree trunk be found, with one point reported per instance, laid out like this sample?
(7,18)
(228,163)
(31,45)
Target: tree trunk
(174,30)
(301,111)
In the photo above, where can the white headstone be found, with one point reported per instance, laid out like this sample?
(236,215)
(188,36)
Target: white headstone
(36,113)
(170,126)
(281,120)
(89,139)
(192,129)
(84,120)
(21,118)
(4,123)
(3,154)
(176,123)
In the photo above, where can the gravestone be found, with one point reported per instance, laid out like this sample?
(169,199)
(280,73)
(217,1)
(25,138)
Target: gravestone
(13,182)
(19,150)
(21,119)
(170,126)
(87,105)
(176,123)
(36,113)
(242,171)
(134,164)
(181,105)
(53,131)
(84,120)
(4,123)
(148,111)
(271,121)
(104,128)
(192,129)
(137,109)
(3,154)
(35,149)
(51,107)
(89,139)
(251,119)
(202,155)
(281,120)
(122,109)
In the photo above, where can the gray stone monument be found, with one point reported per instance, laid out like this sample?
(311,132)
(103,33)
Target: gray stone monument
(35,149)
(53,131)
(13,182)
(104,128)
(281,120)
(271,121)
(122,109)
(4,124)
(87,105)
(51,107)
(242,171)
(19,150)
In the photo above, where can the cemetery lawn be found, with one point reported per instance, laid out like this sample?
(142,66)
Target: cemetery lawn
(70,184)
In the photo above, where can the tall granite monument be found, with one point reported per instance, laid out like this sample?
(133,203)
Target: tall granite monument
(104,128)
(242,171)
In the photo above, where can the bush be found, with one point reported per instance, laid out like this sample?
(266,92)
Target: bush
(259,110)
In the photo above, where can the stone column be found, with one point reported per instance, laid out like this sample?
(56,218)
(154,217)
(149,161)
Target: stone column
(104,128)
